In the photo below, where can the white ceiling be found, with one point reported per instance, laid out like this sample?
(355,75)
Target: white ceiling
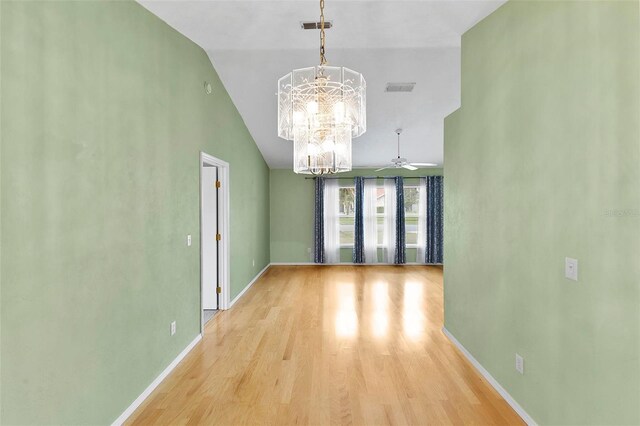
(253,43)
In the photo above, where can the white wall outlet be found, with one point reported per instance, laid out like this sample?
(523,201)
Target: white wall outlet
(189,240)
(173,328)
(571,268)
(309,250)
(254,262)
(519,364)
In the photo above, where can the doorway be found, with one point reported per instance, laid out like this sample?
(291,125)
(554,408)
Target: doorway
(214,219)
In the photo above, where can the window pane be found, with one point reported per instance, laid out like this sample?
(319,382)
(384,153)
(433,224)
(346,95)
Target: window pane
(411,229)
(347,200)
(411,208)
(380,200)
(347,230)
(411,200)
(411,238)
(380,227)
(346,237)
(347,208)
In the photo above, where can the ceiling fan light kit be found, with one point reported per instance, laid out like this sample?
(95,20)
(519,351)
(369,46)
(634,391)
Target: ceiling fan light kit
(321,109)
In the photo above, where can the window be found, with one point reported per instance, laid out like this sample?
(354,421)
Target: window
(411,208)
(347,207)
(346,214)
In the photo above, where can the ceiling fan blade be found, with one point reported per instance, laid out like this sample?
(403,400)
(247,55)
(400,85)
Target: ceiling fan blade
(386,167)
(409,167)
(424,164)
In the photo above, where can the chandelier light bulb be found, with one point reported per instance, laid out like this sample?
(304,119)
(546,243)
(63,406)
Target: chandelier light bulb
(338,112)
(328,145)
(312,107)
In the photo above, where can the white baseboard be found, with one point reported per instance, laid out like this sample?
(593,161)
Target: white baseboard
(493,382)
(144,395)
(235,299)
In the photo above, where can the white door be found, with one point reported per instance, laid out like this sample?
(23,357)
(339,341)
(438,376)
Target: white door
(209,243)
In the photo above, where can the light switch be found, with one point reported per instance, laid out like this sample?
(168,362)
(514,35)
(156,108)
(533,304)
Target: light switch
(571,268)
(519,364)
(189,240)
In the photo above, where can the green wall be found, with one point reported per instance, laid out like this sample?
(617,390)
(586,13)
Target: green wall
(292,202)
(103,117)
(543,163)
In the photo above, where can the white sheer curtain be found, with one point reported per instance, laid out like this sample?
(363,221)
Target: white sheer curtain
(422,221)
(331,221)
(389,242)
(370,221)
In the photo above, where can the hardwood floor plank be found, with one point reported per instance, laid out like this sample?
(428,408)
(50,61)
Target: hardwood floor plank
(319,345)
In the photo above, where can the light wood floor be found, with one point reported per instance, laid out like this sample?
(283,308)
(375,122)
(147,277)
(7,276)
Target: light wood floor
(326,345)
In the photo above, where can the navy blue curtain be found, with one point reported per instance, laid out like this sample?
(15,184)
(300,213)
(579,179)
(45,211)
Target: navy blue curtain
(435,219)
(358,243)
(318,228)
(400,255)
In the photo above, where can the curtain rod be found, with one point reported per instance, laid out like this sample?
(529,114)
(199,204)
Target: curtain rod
(371,177)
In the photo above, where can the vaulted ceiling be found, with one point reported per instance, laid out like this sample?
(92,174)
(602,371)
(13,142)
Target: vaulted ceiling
(253,43)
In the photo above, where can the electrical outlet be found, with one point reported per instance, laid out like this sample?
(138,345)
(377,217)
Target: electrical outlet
(189,240)
(254,262)
(173,328)
(519,364)
(571,268)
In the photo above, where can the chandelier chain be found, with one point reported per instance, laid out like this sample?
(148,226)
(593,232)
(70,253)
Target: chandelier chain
(323,60)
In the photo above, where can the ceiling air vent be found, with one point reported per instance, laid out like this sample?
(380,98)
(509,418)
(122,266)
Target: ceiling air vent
(313,25)
(400,87)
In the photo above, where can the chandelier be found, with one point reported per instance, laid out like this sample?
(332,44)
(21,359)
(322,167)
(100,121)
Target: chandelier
(321,109)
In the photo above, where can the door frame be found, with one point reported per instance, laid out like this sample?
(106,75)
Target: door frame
(223,229)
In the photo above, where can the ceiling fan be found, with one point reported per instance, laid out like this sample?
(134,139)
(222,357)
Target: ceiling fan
(399,162)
